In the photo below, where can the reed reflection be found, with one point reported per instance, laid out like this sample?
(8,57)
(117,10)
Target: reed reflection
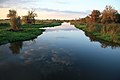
(104,44)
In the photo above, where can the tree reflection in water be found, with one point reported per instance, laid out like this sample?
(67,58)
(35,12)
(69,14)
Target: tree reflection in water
(15,47)
(104,44)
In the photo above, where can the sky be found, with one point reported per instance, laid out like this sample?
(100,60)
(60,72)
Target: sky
(56,9)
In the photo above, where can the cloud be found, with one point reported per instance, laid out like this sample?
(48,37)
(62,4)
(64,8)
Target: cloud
(74,12)
(15,3)
(21,1)
(61,2)
(58,14)
(2,1)
(1,6)
(52,13)
(70,12)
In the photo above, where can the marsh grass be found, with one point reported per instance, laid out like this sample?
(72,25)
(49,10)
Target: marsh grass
(10,36)
(28,33)
(107,32)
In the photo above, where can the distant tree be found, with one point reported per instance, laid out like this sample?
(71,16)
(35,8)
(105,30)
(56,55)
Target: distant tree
(82,20)
(88,19)
(95,16)
(30,18)
(15,21)
(109,15)
(25,19)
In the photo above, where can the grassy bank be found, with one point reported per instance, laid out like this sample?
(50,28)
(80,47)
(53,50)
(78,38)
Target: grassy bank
(106,33)
(29,32)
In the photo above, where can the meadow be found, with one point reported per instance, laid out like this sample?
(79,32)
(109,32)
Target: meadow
(29,31)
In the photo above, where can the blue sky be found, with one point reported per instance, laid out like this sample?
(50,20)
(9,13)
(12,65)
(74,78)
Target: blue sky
(61,9)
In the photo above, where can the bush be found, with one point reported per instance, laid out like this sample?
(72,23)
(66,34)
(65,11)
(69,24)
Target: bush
(94,27)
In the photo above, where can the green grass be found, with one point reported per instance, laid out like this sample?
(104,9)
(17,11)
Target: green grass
(28,33)
(101,36)
(83,27)
(50,24)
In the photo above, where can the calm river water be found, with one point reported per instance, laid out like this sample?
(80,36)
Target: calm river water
(60,53)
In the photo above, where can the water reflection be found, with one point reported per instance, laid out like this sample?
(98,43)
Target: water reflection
(15,47)
(104,44)
(47,56)
(63,27)
(59,54)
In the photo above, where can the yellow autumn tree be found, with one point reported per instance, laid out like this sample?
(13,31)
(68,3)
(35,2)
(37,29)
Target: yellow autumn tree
(109,15)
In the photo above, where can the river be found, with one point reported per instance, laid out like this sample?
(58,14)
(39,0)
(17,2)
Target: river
(60,53)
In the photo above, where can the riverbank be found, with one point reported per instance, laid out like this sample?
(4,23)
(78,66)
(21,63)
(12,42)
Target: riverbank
(29,32)
(97,32)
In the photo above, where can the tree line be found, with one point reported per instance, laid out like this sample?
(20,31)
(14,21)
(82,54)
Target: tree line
(108,15)
(103,25)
